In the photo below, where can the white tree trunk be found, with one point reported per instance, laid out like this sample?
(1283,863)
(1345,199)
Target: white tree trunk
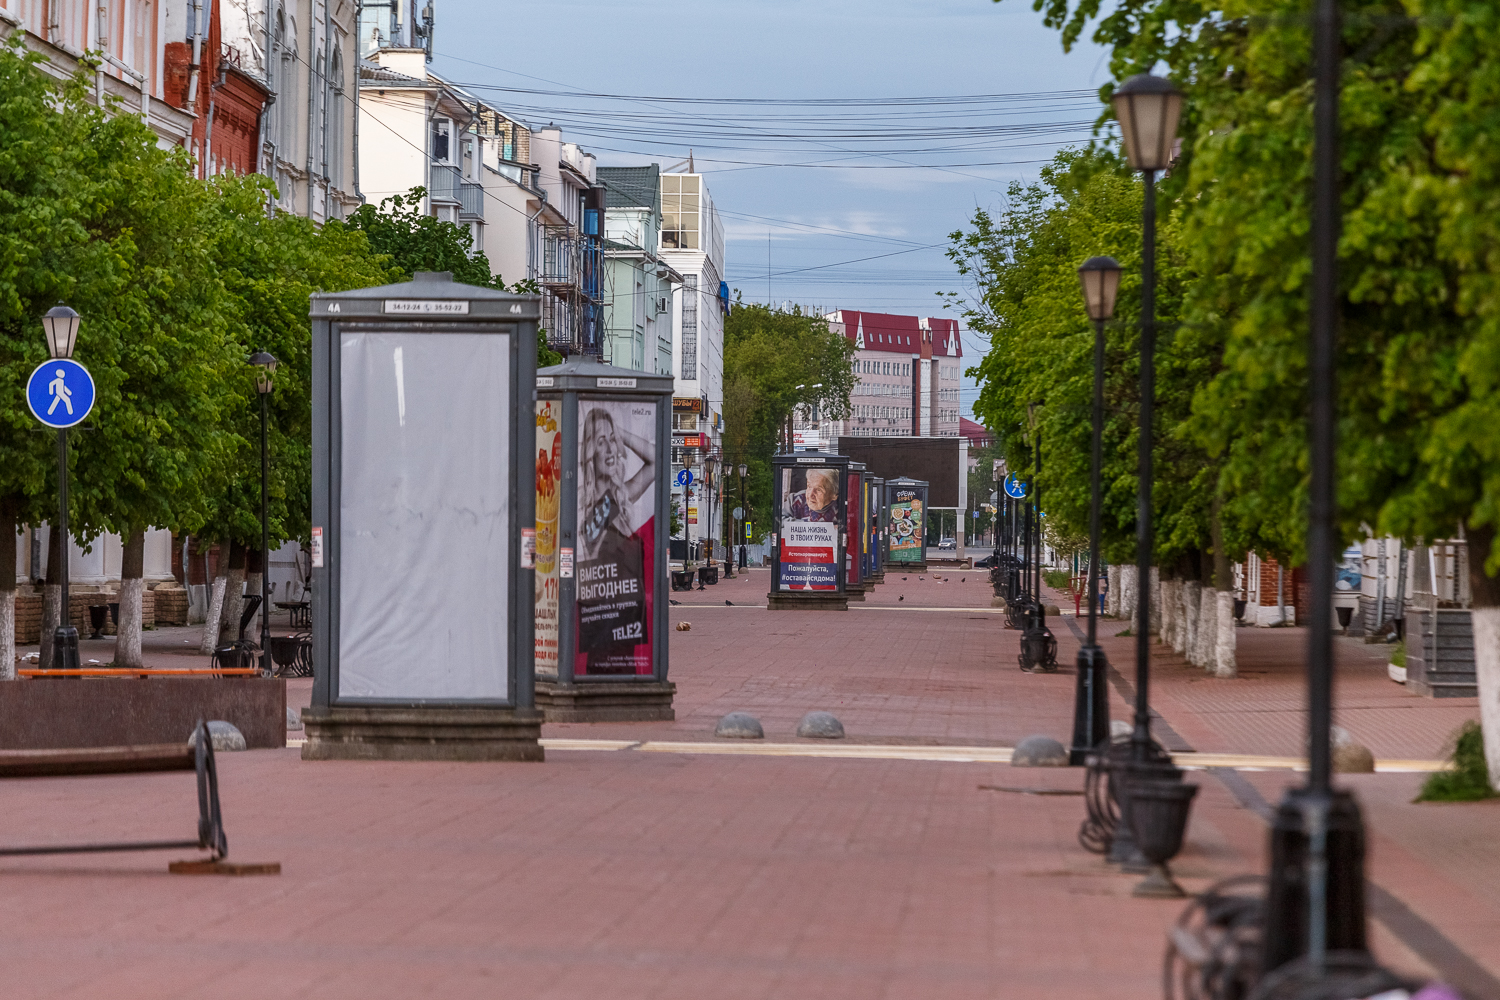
(7,635)
(211,623)
(234,601)
(1129,595)
(1171,613)
(128,635)
(1155,584)
(1208,629)
(1224,641)
(51,618)
(252,586)
(1487,673)
(1192,593)
(1112,598)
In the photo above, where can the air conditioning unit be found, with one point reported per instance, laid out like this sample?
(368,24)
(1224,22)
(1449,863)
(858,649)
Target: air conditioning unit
(662,304)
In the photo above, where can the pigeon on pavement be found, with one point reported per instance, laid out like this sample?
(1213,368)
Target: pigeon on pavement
(729,604)
(901,598)
(670,601)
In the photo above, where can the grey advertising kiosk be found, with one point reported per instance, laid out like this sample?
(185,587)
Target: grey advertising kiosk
(603,461)
(876,530)
(854,528)
(422,524)
(808,532)
(906,513)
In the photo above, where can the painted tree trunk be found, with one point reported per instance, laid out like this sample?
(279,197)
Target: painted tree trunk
(229,617)
(8,508)
(1208,628)
(132,591)
(51,596)
(1192,593)
(1485,610)
(1155,584)
(1224,644)
(1129,593)
(1112,597)
(252,586)
(211,621)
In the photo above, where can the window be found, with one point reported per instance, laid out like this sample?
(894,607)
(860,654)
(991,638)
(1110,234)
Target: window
(684,421)
(442,130)
(690,326)
(680,211)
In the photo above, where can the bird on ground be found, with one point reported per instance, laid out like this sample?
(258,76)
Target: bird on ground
(963,579)
(670,601)
(921,578)
(901,598)
(903,578)
(729,604)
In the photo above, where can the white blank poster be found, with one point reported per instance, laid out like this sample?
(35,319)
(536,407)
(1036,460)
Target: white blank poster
(424,566)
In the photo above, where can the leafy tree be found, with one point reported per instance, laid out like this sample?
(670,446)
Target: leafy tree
(767,354)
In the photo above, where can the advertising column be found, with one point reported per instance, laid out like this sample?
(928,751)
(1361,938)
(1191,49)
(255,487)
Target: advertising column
(907,546)
(609,456)
(854,570)
(811,531)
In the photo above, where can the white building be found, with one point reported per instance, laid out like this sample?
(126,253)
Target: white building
(692,245)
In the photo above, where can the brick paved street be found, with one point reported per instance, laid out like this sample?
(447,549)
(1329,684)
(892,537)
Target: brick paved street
(628,874)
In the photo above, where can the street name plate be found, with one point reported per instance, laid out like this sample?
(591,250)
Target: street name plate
(426,307)
(544,381)
(811,461)
(604,382)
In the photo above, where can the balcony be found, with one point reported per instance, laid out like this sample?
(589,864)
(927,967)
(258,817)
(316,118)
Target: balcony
(471,199)
(445,185)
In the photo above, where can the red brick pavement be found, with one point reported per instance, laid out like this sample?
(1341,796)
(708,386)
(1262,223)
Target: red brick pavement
(634,874)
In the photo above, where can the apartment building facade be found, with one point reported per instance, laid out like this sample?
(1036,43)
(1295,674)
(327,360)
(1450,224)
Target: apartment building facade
(638,282)
(909,370)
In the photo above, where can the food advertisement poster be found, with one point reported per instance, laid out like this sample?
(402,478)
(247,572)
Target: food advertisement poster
(809,529)
(616,558)
(548,494)
(906,526)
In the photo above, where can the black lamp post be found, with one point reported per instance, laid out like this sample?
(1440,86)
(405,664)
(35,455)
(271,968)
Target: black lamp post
(1316,900)
(1100,277)
(61,326)
(267,366)
(742,540)
(1038,645)
(1147,108)
(709,462)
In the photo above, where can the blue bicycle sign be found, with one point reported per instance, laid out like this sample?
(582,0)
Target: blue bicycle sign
(1014,487)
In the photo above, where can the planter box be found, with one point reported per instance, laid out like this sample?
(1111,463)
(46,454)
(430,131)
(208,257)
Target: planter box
(56,713)
(1440,653)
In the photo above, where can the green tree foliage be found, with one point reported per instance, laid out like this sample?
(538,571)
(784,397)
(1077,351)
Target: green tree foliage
(415,241)
(1037,378)
(269,265)
(767,354)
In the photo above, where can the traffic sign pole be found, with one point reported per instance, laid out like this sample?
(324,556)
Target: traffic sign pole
(60,393)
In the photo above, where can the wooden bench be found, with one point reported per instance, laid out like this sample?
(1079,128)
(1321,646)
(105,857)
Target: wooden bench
(198,757)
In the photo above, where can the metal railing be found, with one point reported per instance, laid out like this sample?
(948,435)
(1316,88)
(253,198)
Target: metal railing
(446,181)
(471,198)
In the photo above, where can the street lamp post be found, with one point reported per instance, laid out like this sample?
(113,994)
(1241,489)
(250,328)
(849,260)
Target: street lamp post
(1100,277)
(1148,108)
(1316,900)
(61,326)
(709,463)
(267,366)
(742,539)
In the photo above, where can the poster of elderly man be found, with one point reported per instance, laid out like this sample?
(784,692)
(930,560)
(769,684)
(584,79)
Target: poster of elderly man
(616,536)
(809,528)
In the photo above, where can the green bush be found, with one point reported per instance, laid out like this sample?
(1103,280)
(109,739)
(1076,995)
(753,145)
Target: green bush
(1057,579)
(1398,655)
(1469,780)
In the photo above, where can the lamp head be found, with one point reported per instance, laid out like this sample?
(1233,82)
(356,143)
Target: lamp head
(61,325)
(267,366)
(1148,108)
(743,469)
(1100,277)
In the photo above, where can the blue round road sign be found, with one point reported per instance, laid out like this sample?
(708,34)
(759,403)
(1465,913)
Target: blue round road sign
(685,477)
(60,393)
(1014,487)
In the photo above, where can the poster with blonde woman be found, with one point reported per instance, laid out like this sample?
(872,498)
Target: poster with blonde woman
(616,536)
(809,529)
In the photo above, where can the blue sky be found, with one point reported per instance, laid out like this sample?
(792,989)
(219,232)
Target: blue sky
(862,230)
